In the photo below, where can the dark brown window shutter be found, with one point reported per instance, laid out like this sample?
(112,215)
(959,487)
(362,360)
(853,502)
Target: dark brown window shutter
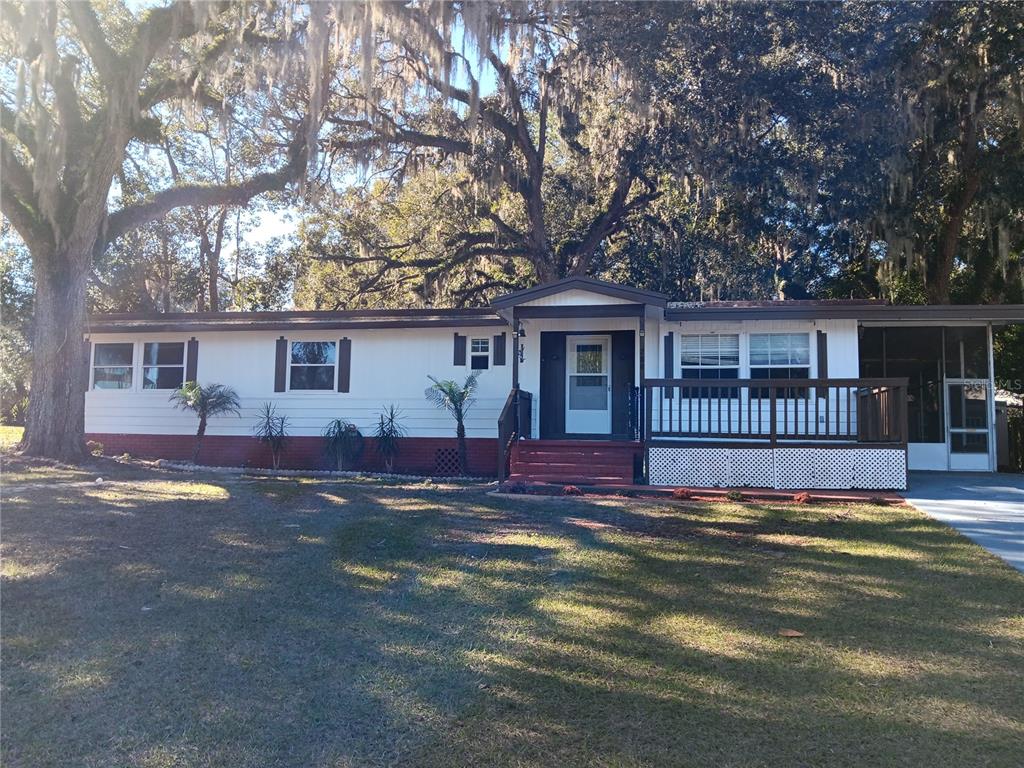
(460,350)
(670,368)
(87,353)
(281,365)
(192,359)
(499,349)
(822,355)
(344,364)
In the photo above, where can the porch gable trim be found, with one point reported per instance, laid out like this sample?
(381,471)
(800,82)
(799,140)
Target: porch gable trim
(577,311)
(589,284)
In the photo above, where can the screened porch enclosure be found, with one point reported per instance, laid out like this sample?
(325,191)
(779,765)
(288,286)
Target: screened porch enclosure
(949,391)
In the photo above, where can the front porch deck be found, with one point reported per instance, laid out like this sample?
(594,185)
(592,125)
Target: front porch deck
(774,433)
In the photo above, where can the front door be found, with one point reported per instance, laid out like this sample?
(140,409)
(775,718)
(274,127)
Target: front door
(968,433)
(588,396)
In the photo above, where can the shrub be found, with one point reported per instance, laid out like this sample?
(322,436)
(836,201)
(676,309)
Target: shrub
(388,434)
(515,487)
(629,493)
(682,494)
(878,501)
(734,495)
(344,443)
(272,429)
(95,448)
(802,498)
(571,490)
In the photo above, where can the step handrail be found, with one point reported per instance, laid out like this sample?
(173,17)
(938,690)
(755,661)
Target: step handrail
(508,422)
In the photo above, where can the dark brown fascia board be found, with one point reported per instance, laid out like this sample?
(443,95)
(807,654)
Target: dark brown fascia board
(301,314)
(284,321)
(584,284)
(998,313)
(579,311)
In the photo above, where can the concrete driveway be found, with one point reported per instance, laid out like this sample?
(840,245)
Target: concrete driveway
(987,508)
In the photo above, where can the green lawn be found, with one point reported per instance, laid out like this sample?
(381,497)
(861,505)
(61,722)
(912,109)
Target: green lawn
(232,622)
(10,436)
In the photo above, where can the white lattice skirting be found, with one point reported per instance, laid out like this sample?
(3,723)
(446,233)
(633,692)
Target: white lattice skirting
(789,468)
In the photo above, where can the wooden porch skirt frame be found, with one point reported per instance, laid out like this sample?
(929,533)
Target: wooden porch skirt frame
(781,466)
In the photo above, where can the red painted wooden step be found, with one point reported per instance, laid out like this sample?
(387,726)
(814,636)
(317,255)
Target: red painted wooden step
(590,462)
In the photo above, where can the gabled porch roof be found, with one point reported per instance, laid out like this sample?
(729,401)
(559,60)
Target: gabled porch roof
(586,284)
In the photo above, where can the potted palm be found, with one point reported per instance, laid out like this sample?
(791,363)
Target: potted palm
(457,399)
(205,402)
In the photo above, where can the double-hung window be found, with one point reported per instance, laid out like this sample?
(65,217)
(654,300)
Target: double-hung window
(112,365)
(312,365)
(479,354)
(710,356)
(780,356)
(163,364)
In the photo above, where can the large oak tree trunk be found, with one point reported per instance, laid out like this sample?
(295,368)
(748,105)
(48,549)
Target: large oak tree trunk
(55,426)
(949,239)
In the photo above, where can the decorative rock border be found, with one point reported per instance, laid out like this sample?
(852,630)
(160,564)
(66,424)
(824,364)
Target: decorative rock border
(263,472)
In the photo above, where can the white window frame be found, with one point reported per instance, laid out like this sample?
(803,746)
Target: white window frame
(700,367)
(134,364)
(143,366)
(486,353)
(792,393)
(137,366)
(334,378)
(770,364)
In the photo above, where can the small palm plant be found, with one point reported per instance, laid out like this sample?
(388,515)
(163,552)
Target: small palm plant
(389,432)
(205,402)
(344,443)
(272,429)
(457,399)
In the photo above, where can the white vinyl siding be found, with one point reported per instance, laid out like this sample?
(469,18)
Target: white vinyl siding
(387,366)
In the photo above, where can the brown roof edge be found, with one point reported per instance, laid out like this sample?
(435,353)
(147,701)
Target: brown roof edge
(290,314)
(779,302)
(874,311)
(287,320)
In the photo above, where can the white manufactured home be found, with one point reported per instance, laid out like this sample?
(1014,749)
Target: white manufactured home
(580,381)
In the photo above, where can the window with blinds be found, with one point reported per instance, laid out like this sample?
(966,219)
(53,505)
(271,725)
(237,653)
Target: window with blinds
(780,356)
(709,356)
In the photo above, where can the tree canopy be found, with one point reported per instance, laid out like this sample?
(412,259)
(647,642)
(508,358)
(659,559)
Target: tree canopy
(439,153)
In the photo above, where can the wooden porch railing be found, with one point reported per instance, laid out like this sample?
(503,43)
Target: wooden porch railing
(513,423)
(772,410)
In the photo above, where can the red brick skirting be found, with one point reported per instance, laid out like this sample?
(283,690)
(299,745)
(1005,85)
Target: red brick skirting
(416,455)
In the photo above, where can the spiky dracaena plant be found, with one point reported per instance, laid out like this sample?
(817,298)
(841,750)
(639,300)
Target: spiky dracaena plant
(344,443)
(272,428)
(388,434)
(205,401)
(457,399)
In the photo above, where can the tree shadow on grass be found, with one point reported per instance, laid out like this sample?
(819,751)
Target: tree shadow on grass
(344,624)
